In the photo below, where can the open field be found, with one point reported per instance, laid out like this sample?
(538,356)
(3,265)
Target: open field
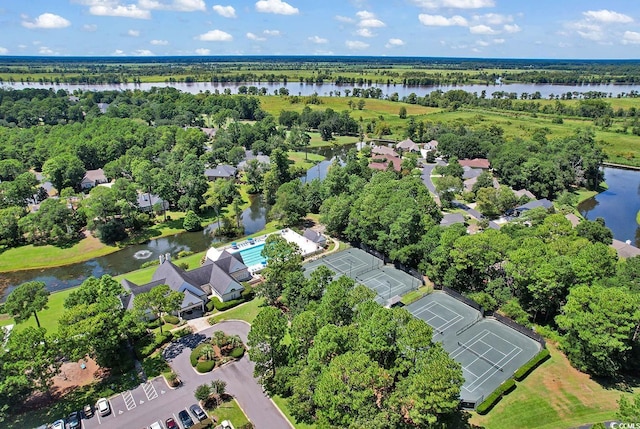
(230,410)
(306,161)
(247,311)
(48,317)
(555,395)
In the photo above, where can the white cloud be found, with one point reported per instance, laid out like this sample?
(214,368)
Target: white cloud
(512,28)
(498,41)
(109,9)
(43,50)
(607,16)
(226,11)
(454,4)
(442,21)
(3,51)
(90,28)
(482,43)
(215,36)
(133,33)
(176,5)
(157,42)
(203,51)
(321,52)
(481,29)
(257,38)
(493,18)
(47,21)
(631,38)
(271,32)
(118,52)
(143,53)
(344,19)
(356,44)
(317,39)
(364,32)
(278,7)
(369,20)
(364,14)
(392,43)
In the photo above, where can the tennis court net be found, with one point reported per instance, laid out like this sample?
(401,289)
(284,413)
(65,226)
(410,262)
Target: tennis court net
(499,368)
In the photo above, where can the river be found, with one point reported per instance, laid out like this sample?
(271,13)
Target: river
(326,89)
(618,205)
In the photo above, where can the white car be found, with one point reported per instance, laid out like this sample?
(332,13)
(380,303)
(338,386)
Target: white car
(156,425)
(58,424)
(226,424)
(103,407)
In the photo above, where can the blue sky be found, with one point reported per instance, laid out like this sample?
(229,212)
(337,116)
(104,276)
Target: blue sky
(455,28)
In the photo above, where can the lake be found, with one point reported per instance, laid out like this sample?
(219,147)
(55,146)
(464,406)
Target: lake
(618,205)
(326,89)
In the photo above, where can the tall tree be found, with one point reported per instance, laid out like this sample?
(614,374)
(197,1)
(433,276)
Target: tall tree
(291,206)
(160,299)
(26,300)
(283,259)
(265,343)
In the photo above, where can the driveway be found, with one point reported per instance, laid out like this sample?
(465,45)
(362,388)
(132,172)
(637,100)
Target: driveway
(154,401)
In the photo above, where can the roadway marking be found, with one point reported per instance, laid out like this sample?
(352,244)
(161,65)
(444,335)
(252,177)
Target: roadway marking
(129,401)
(149,390)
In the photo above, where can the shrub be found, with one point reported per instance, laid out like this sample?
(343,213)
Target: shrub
(185,253)
(237,353)
(150,263)
(209,306)
(528,367)
(495,397)
(205,424)
(174,320)
(222,306)
(205,366)
(148,344)
(192,222)
(247,425)
(153,324)
(212,321)
(179,333)
(183,265)
(247,294)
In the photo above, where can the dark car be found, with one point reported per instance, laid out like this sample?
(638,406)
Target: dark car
(197,411)
(185,418)
(171,424)
(74,420)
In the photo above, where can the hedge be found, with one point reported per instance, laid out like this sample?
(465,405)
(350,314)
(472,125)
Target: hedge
(179,333)
(174,320)
(222,306)
(491,400)
(205,366)
(148,344)
(237,353)
(195,354)
(528,367)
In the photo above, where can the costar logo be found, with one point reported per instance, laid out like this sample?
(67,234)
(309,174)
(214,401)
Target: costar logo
(616,425)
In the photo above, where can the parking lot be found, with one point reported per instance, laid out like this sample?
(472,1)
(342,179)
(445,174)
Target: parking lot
(139,405)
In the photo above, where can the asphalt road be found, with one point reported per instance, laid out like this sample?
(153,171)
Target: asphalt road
(155,401)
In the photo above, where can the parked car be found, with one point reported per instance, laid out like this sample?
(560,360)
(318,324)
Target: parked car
(58,424)
(74,420)
(156,425)
(87,411)
(103,407)
(185,419)
(226,424)
(197,411)
(171,424)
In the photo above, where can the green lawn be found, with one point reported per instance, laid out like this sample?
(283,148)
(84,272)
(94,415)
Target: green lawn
(31,257)
(415,295)
(306,161)
(231,411)
(247,311)
(48,317)
(283,404)
(555,395)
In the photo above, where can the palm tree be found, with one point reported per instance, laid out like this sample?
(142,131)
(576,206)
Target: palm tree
(218,390)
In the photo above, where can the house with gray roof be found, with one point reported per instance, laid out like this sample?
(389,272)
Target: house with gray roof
(384,150)
(93,178)
(315,237)
(452,218)
(222,171)
(408,145)
(220,278)
(147,202)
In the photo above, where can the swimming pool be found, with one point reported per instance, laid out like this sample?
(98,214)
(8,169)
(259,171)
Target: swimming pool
(253,255)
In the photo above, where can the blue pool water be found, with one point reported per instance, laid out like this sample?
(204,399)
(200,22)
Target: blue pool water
(253,255)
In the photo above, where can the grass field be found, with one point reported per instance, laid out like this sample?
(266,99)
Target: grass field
(555,395)
(231,411)
(283,404)
(246,312)
(31,257)
(306,161)
(48,317)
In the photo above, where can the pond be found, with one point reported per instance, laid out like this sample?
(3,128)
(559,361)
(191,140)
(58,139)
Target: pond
(130,258)
(618,205)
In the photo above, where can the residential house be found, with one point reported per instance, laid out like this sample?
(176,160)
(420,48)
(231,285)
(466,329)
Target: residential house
(315,237)
(93,178)
(383,150)
(222,171)
(231,263)
(408,146)
(524,193)
(625,249)
(103,107)
(532,205)
(432,145)
(262,159)
(147,202)
(451,218)
(481,163)
(470,173)
(381,163)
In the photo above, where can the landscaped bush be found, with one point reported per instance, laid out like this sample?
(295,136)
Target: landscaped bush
(174,320)
(526,369)
(148,344)
(195,354)
(205,366)
(237,352)
(247,425)
(212,321)
(491,400)
(209,306)
(150,263)
(185,253)
(179,333)
(205,424)
(153,324)
(155,365)
(248,293)
(222,306)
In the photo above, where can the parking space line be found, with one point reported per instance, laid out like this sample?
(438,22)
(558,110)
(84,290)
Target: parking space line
(129,401)
(150,390)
